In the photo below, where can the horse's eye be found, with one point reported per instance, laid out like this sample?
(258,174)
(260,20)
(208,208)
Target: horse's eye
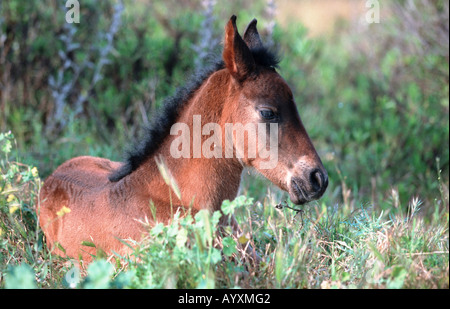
(267,114)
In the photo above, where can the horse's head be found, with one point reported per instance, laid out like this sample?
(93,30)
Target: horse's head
(261,97)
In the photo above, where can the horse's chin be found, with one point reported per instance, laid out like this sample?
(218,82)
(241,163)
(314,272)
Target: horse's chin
(297,198)
(297,193)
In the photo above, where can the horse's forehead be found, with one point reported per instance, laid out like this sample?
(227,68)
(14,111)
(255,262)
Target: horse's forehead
(269,85)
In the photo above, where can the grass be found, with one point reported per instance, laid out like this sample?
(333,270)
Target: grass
(324,246)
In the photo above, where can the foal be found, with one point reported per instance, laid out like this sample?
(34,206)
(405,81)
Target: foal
(109,200)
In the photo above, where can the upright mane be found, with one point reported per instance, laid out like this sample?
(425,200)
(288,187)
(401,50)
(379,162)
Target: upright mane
(164,118)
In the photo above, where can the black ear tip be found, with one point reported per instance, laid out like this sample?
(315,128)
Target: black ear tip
(233,18)
(252,26)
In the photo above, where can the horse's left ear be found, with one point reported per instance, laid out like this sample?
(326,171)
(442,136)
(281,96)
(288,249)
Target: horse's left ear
(251,36)
(236,54)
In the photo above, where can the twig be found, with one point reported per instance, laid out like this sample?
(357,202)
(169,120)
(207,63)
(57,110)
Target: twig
(426,253)
(206,35)
(61,91)
(298,211)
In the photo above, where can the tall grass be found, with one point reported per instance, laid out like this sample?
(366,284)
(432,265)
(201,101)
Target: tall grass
(324,246)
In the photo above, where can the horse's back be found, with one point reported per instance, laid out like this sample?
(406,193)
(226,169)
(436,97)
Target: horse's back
(86,172)
(75,182)
(73,193)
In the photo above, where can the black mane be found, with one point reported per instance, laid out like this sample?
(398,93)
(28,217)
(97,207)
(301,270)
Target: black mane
(162,121)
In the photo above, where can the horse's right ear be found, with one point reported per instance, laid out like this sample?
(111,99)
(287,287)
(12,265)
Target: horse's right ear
(236,54)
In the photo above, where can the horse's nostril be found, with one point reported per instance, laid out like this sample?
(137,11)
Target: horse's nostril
(318,181)
(318,178)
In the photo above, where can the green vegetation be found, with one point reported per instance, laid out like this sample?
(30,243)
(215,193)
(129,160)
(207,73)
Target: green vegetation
(374,101)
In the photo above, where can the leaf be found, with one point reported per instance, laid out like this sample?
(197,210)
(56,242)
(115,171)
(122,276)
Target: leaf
(216,257)
(181,238)
(34,172)
(172,230)
(216,218)
(88,244)
(13,208)
(20,277)
(376,252)
(279,266)
(397,278)
(345,277)
(157,229)
(60,247)
(240,201)
(99,275)
(243,239)
(229,246)
(6,147)
(226,207)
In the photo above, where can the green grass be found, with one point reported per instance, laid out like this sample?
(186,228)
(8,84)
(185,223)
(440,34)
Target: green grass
(325,246)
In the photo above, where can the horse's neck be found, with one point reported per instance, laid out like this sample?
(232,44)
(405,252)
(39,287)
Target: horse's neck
(202,182)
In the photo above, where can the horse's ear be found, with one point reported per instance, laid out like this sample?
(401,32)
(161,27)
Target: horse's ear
(251,36)
(236,54)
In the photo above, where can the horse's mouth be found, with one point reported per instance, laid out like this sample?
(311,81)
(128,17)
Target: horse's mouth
(296,193)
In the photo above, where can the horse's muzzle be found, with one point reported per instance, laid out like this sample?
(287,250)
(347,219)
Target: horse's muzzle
(310,188)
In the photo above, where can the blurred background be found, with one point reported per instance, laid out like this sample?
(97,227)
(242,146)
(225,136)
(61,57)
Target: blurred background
(372,96)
